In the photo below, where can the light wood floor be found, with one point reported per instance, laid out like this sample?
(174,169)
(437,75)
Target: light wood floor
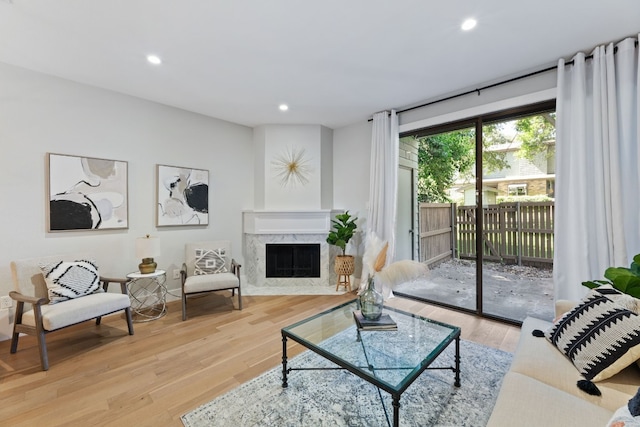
(102,376)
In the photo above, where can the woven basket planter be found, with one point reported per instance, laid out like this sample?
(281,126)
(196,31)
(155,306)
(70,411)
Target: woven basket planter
(345,265)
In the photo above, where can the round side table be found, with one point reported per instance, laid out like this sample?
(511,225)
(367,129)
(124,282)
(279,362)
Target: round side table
(148,295)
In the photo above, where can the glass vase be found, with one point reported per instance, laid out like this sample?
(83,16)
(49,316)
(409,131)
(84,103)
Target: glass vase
(371,301)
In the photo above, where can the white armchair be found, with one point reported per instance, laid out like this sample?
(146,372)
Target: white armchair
(209,267)
(35,316)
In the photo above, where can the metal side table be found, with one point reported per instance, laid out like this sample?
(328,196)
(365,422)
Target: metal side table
(148,295)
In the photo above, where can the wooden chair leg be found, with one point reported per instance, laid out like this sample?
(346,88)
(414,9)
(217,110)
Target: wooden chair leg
(184,306)
(17,321)
(40,333)
(42,345)
(239,299)
(127,313)
(14,341)
(98,319)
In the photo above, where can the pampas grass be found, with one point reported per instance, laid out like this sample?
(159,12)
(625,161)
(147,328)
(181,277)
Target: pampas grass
(401,272)
(387,278)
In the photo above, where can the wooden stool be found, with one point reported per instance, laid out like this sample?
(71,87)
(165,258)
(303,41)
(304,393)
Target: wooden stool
(344,280)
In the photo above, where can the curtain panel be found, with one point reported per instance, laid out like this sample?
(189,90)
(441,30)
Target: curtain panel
(597,217)
(383,183)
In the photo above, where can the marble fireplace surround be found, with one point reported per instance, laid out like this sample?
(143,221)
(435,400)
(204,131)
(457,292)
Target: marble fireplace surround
(297,226)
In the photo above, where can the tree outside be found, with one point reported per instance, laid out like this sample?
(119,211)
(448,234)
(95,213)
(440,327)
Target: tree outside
(447,158)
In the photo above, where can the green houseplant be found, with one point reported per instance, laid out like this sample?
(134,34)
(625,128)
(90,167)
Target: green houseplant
(342,231)
(343,227)
(626,280)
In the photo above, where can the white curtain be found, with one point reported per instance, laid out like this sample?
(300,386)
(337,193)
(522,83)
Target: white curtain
(383,186)
(597,217)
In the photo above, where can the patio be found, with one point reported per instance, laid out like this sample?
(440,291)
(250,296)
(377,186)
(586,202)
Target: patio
(510,291)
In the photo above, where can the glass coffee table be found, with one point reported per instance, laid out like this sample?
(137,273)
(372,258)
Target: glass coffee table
(390,360)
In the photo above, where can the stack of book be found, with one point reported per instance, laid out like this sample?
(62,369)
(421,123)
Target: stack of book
(384,323)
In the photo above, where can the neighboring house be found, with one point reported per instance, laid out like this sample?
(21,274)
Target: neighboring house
(522,178)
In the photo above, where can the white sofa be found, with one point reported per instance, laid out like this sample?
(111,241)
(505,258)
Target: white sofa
(540,388)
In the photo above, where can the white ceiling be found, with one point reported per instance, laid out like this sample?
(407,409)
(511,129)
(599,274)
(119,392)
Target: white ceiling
(335,62)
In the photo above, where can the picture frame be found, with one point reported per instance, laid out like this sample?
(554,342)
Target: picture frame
(182,196)
(86,193)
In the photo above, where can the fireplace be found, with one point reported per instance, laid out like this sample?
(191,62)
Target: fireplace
(299,236)
(293,260)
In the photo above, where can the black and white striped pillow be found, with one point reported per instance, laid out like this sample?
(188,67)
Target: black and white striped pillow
(599,336)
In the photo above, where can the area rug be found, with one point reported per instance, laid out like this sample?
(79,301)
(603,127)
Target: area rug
(339,398)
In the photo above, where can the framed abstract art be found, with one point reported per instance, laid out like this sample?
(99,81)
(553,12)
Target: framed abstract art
(182,196)
(86,193)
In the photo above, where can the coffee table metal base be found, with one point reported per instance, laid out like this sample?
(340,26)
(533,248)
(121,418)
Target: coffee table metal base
(395,396)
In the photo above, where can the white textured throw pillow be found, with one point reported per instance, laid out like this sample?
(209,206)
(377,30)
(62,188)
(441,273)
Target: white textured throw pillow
(599,336)
(625,300)
(210,261)
(70,279)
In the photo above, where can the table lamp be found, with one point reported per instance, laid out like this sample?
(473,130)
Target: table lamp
(146,248)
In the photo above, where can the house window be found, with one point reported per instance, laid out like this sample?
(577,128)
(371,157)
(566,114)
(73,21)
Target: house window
(517,189)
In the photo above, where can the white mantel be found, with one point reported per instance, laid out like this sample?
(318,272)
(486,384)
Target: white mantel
(288,222)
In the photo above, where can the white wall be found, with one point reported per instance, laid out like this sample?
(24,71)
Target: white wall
(540,87)
(278,144)
(351,165)
(40,114)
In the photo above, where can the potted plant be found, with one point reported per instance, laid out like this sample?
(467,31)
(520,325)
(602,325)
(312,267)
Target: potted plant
(626,280)
(343,227)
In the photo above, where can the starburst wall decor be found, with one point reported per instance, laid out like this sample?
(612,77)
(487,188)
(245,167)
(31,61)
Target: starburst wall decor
(292,167)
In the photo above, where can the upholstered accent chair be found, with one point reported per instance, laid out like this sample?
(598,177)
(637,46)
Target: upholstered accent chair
(36,315)
(209,267)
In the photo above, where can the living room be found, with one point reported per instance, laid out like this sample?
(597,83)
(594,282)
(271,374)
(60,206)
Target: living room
(43,110)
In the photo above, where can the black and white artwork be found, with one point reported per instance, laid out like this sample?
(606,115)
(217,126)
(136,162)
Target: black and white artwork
(183,196)
(86,193)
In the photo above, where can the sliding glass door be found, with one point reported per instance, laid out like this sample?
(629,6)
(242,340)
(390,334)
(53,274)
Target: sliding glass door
(518,188)
(446,172)
(486,193)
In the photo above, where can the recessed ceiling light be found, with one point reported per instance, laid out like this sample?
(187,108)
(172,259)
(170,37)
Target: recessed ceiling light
(283,107)
(469,24)
(154,59)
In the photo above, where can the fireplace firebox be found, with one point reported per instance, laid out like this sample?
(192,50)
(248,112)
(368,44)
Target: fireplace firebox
(293,260)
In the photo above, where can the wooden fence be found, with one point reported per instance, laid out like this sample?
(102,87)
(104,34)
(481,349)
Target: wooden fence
(514,233)
(437,226)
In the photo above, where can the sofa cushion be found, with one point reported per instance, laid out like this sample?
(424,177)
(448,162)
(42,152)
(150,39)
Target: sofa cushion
(599,336)
(70,279)
(526,402)
(539,359)
(210,261)
(56,316)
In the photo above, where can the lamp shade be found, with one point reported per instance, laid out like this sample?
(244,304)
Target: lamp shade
(147,247)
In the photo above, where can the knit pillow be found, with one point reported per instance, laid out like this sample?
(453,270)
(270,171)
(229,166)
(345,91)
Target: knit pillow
(70,279)
(599,336)
(210,261)
(625,300)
